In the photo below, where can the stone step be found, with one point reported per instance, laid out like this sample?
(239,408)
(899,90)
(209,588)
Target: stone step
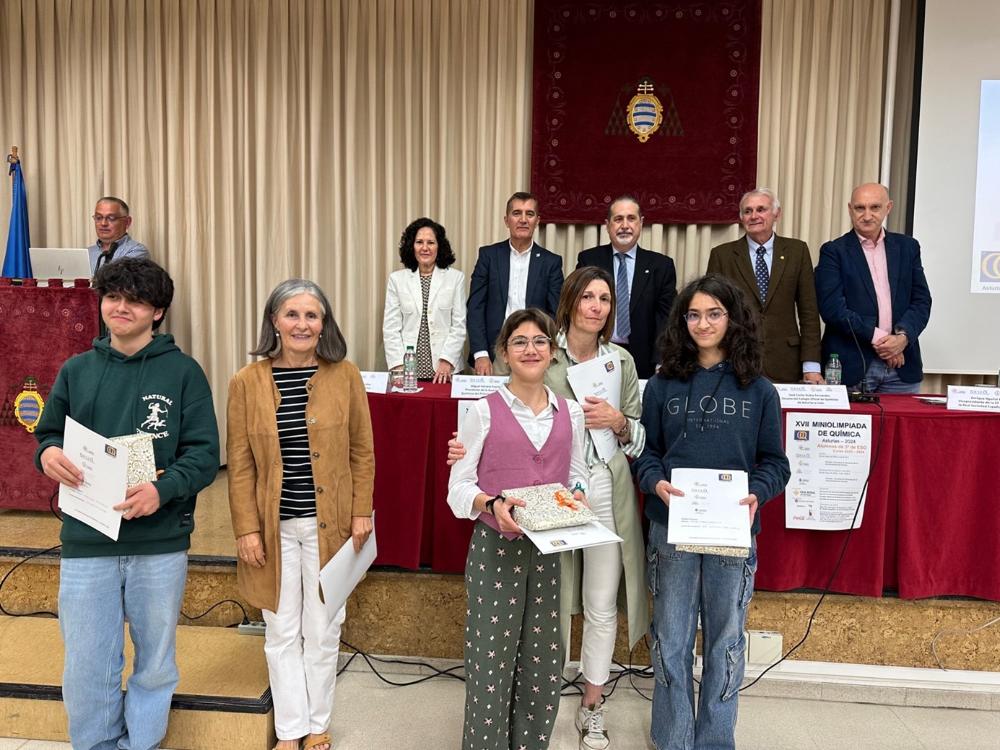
(223,698)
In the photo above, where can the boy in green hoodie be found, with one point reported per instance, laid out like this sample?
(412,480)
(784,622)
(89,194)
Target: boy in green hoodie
(133,380)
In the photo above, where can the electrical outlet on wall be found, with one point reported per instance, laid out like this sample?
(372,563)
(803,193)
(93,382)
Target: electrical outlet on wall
(764,647)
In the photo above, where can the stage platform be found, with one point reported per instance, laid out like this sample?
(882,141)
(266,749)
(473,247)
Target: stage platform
(417,613)
(223,699)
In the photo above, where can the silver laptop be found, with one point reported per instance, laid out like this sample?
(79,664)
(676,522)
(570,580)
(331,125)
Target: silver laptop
(65,263)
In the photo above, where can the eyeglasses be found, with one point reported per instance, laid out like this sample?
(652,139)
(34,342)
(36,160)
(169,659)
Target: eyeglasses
(520,343)
(98,219)
(712,316)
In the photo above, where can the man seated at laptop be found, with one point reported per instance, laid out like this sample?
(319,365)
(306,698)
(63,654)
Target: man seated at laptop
(112,220)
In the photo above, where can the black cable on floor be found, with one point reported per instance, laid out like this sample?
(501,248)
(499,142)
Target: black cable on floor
(369,659)
(246,618)
(840,558)
(32,556)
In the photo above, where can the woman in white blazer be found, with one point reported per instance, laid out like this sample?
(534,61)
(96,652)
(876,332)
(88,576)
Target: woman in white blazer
(425,304)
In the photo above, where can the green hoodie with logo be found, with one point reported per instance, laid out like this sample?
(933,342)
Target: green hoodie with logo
(158,390)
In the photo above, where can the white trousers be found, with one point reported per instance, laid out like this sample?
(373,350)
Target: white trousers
(602,570)
(300,641)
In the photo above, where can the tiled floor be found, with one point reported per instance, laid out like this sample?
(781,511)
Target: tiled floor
(370,715)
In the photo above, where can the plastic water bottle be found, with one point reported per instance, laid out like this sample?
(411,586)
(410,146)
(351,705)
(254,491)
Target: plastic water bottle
(834,371)
(410,371)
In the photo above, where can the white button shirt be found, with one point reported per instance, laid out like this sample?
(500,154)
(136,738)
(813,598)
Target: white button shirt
(517,287)
(463,484)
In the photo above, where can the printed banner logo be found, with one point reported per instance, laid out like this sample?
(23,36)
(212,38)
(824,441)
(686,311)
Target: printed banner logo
(989,265)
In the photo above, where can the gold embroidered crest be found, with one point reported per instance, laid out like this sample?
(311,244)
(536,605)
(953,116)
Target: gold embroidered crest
(644,112)
(28,405)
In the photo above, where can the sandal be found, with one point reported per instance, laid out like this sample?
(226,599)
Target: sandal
(314,740)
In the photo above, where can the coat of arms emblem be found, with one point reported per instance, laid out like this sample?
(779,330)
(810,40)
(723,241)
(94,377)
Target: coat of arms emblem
(28,405)
(645,112)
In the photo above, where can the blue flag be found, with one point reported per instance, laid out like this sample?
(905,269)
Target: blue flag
(16,263)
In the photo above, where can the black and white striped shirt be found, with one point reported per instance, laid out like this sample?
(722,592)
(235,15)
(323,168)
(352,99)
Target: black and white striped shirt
(298,491)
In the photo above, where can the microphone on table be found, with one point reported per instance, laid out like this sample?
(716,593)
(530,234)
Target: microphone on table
(861,396)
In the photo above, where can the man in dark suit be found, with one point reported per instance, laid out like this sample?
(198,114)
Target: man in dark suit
(645,284)
(776,274)
(874,298)
(510,275)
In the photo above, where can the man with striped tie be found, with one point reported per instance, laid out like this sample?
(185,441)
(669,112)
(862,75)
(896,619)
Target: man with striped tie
(645,284)
(776,274)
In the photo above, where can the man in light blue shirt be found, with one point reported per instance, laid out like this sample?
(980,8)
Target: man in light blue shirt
(112,220)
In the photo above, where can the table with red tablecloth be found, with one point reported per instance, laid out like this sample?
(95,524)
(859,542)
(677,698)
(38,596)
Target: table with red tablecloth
(415,526)
(931,524)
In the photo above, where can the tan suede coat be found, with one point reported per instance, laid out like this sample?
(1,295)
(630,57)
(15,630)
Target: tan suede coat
(343,464)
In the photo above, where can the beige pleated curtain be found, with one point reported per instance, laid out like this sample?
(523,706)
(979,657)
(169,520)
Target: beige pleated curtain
(259,140)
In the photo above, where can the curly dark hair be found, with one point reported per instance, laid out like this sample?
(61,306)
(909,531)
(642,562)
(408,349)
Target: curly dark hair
(138,280)
(445,256)
(741,344)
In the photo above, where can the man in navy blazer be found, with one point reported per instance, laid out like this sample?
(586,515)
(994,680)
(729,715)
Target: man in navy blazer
(646,279)
(510,275)
(874,298)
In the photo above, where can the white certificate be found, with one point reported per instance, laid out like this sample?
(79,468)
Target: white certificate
(345,570)
(105,479)
(476,386)
(601,377)
(709,513)
(829,455)
(572,537)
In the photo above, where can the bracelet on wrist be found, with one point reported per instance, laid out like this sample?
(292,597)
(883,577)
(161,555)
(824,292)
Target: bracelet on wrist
(623,432)
(491,502)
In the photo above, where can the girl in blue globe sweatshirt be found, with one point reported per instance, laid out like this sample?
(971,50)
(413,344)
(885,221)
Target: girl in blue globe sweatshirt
(708,407)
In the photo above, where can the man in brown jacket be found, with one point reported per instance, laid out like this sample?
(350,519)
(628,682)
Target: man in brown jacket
(776,273)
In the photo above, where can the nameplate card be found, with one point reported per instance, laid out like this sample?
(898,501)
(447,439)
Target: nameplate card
(476,386)
(375,382)
(806,396)
(973,398)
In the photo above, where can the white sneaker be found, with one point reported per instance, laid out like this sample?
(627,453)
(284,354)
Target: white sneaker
(590,725)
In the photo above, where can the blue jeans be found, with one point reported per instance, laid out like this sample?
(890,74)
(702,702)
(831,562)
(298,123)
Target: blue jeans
(96,596)
(720,588)
(881,378)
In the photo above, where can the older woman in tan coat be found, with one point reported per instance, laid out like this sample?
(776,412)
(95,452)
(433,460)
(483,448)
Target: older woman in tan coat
(301,474)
